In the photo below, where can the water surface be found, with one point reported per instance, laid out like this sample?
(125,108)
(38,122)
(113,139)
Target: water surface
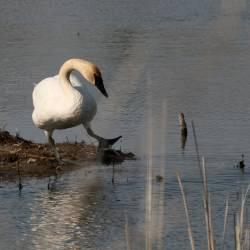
(158,58)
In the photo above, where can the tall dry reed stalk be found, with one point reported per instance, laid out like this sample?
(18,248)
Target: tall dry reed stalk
(190,234)
(207,208)
(127,232)
(206,195)
(241,231)
(225,225)
(207,211)
(148,215)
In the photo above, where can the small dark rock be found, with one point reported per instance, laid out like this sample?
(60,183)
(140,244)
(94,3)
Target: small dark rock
(159,178)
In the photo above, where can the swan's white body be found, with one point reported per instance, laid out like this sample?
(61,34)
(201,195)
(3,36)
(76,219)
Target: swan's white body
(55,110)
(62,102)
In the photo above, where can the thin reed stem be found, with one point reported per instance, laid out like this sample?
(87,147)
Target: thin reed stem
(196,147)
(210,224)
(127,232)
(225,225)
(20,185)
(190,234)
(206,202)
(207,207)
(240,222)
(149,206)
(235,236)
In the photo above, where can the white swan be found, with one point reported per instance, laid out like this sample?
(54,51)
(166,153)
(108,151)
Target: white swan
(60,103)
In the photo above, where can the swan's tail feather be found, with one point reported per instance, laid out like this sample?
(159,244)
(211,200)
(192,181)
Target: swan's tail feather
(107,143)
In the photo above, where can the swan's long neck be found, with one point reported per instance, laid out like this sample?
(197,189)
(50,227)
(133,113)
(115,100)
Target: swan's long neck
(82,66)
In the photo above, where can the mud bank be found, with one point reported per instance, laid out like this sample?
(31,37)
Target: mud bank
(37,159)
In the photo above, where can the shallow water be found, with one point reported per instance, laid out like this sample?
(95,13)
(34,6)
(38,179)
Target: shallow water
(158,58)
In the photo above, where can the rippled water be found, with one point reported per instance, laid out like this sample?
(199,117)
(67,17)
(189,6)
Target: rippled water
(158,58)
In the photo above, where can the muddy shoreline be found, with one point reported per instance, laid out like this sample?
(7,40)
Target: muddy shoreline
(37,159)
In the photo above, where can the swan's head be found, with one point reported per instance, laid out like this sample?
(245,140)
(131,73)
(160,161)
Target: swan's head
(87,69)
(90,72)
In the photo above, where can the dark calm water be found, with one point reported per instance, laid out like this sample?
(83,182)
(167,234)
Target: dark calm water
(158,58)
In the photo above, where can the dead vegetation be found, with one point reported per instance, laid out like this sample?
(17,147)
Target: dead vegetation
(38,159)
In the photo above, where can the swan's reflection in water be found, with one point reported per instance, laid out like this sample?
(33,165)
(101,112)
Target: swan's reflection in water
(63,213)
(77,215)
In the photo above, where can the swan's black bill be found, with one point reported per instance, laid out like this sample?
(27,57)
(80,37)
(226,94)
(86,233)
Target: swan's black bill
(100,86)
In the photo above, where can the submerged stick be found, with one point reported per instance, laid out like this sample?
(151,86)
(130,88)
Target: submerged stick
(183,128)
(20,185)
(113,174)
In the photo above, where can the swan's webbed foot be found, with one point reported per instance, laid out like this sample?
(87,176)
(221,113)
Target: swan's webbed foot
(103,143)
(59,168)
(107,143)
(60,162)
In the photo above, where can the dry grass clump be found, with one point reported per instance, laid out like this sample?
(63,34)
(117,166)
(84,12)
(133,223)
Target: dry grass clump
(242,233)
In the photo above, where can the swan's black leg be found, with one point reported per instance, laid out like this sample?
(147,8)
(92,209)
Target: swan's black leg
(53,146)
